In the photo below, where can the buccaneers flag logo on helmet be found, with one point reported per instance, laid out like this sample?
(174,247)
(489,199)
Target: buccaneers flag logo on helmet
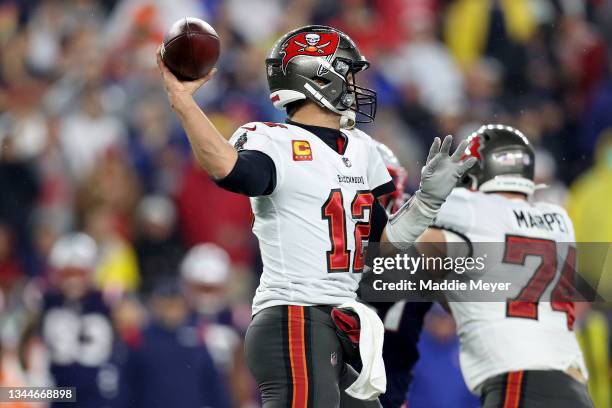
(322,44)
(473,148)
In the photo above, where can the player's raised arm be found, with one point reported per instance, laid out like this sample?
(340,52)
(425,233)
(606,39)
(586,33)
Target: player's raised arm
(211,149)
(439,176)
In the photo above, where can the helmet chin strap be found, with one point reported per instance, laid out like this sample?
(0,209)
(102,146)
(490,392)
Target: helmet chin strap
(347,117)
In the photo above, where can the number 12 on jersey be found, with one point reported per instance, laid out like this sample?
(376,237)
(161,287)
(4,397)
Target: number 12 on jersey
(339,257)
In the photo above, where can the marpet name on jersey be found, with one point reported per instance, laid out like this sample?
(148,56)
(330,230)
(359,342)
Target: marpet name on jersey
(546,221)
(350,179)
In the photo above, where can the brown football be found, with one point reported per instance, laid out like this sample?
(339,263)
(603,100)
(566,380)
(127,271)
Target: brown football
(190,49)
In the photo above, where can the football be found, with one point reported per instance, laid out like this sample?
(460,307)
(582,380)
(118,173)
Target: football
(190,49)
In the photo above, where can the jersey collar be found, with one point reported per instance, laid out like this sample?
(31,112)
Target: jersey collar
(334,138)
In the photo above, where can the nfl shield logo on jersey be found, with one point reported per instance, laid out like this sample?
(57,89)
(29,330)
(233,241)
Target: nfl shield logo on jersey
(333,359)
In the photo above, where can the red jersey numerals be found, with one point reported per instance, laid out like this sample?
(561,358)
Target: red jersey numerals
(361,203)
(339,257)
(525,305)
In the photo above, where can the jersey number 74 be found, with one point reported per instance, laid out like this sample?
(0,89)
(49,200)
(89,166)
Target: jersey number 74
(525,305)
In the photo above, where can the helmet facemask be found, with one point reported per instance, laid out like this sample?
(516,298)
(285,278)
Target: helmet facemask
(356,98)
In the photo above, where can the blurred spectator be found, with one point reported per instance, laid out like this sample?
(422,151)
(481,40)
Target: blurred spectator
(157,154)
(588,207)
(424,63)
(171,366)
(591,194)
(550,189)
(75,325)
(259,29)
(597,118)
(206,273)
(89,133)
(439,351)
(484,87)
(56,196)
(20,186)
(113,186)
(117,269)
(24,123)
(593,334)
(210,214)
(482,27)
(11,376)
(10,267)
(158,248)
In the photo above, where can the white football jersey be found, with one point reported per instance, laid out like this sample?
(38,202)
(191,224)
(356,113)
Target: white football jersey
(499,337)
(312,229)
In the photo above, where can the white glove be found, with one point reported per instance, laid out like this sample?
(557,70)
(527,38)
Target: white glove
(438,178)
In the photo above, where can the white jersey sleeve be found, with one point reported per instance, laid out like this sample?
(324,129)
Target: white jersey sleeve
(254,136)
(457,213)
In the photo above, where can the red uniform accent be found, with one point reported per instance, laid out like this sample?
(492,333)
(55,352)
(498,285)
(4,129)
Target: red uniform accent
(274,124)
(297,356)
(517,249)
(525,305)
(340,144)
(473,148)
(333,211)
(347,323)
(565,290)
(513,389)
(361,202)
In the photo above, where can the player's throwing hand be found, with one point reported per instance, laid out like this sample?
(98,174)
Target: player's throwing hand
(176,88)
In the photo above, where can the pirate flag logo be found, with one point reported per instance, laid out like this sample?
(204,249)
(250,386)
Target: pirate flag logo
(322,44)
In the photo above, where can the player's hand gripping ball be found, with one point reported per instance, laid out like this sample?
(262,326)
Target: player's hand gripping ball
(190,49)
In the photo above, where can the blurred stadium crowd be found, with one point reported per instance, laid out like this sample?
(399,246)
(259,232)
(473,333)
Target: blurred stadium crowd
(88,143)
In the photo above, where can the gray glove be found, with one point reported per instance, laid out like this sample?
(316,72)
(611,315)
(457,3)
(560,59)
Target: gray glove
(442,172)
(438,178)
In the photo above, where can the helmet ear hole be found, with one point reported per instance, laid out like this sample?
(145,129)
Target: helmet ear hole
(322,81)
(487,137)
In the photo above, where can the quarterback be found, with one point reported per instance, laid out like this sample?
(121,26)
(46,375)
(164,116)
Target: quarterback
(313,183)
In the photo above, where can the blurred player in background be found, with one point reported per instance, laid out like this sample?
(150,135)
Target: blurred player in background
(523,352)
(75,325)
(205,273)
(313,183)
(403,320)
(170,365)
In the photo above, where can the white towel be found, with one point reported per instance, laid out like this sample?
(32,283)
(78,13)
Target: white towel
(372,380)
